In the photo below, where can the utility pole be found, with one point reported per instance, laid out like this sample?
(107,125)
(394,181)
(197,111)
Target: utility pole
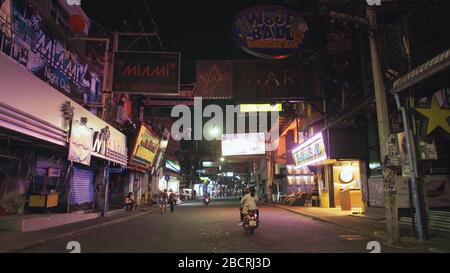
(391,210)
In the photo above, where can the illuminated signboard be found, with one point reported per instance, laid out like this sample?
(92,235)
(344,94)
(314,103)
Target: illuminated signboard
(163,144)
(45,53)
(146,146)
(173,165)
(251,108)
(271,32)
(243,144)
(310,152)
(146,72)
(210,164)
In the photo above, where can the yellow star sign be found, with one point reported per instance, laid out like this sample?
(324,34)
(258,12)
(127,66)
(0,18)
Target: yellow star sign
(437,117)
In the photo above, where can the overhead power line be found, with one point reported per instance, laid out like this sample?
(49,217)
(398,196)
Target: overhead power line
(154,24)
(139,23)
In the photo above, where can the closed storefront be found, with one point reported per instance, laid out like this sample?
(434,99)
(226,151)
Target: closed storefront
(82,188)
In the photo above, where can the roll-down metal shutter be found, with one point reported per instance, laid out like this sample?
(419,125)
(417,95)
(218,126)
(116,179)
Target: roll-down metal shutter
(82,189)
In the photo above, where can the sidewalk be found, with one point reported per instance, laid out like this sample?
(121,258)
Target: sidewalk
(372,225)
(20,241)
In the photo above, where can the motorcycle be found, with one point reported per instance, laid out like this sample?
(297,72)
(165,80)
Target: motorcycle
(207,200)
(251,221)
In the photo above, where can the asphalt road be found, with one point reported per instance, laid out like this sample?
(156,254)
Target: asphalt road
(195,228)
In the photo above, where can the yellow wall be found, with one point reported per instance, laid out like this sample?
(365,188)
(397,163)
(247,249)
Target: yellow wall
(338,184)
(325,200)
(325,195)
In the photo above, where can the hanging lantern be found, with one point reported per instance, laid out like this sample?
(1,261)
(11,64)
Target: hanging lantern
(77,23)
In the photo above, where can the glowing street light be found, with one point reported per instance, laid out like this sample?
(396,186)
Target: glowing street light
(215,132)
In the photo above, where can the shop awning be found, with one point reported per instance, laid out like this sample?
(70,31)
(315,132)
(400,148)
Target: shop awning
(433,66)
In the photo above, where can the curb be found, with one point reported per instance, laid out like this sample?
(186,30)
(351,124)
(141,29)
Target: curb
(357,230)
(76,232)
(436,250)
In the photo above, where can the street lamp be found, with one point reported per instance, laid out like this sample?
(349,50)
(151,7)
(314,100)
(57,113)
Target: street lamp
(222,159)
(215,131)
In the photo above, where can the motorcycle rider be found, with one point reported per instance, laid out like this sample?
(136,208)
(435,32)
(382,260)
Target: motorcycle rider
(207,198)
(245,192)
(249,202)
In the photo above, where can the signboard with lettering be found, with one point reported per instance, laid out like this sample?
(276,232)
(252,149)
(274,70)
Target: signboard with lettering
(101,139)
(214,79)
(32,44)
(310,152)
(271,32)
(269,80)
(173,165)
(146,147)
(243,144)
(146,72)
(80,147)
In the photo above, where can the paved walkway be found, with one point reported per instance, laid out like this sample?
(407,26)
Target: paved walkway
(373,224)
(19,241)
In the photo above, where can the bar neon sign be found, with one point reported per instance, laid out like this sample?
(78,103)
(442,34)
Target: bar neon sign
(310,152)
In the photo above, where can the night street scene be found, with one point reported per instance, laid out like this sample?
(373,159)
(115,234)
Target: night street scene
(247,127)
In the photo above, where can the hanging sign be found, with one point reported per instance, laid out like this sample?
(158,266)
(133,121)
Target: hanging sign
(270,32)
(146,72)
(146,147)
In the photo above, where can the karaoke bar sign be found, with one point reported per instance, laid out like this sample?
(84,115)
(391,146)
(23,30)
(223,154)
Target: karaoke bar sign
(146,72)
(271,32)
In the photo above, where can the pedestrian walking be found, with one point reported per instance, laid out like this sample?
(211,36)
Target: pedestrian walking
(172,200)
(163,201)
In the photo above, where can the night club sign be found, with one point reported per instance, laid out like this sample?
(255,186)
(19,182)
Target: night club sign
(257,80)
(268,80)
(214,79)
(47,57)
(271,32)
(146,72)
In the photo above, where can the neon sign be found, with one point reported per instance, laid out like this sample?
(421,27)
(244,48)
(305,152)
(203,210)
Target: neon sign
(310,152)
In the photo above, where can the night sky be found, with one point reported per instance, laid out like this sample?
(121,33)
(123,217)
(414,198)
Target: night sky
(198,29)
